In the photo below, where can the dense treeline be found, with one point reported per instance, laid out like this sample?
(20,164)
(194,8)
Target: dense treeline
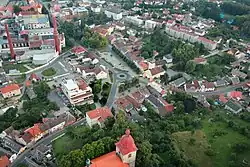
(235,8)
(181,52)
(33,110)
(129,62)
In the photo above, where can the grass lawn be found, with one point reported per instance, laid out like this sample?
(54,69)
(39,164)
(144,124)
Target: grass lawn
(49,72)
(222,145)
(66,144)
(20,79)
(9,66)
(196,150)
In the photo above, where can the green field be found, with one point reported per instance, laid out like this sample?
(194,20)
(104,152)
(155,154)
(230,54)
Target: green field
(195,151)
(222,145)
(20,67)
(67,143)
(49,72)
(217,137)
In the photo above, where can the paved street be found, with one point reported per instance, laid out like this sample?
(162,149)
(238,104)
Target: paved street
(46,141)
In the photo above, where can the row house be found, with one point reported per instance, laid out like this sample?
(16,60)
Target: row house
(154,73)
(188,35)
(98,72)
(199,86)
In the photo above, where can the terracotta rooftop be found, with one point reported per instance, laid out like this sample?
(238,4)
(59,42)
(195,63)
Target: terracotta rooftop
(4,161)
(156,70)
(9,88)
(78,49)
(138,96)
(34,131)
(108,160)
(101,113)
(126,144)
(82,84)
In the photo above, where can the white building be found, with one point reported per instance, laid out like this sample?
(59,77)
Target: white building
(150,24)
(43,58)
(114,13)
(134,20)
(96,9)
(96,72)
(77,92)
(98,116)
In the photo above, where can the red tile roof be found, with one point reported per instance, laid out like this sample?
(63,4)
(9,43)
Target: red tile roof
(82,84)
(27,83)
(9,88)
(4,161)
(101,113)
(34,131)
(199,60)
(126,144)
(124,104)
(79,49)
(222,98)
(235,94)
(156,70)
(108,160)
(34,76)
(208,84)
(206,40)
(134,102)
(138,96)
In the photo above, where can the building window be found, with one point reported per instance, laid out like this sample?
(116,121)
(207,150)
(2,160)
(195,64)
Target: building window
(129,155)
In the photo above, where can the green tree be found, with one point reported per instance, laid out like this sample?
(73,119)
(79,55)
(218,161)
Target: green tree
(16,9)
(190,66)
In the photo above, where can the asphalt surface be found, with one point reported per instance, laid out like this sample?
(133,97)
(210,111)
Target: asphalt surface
(46,141)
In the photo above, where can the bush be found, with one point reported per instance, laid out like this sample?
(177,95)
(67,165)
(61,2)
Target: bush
(209,152)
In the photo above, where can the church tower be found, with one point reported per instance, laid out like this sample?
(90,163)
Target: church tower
(126,149)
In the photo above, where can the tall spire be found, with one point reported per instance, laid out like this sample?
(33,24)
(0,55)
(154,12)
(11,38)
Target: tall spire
(56,39)
(12,53)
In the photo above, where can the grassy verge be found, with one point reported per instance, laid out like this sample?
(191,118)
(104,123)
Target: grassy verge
(8,66)
(49,72)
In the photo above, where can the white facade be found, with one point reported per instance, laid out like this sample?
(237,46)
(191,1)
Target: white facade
(57,127)
(75,94)
(114,15)
(39,59)
(96,9)
(134,20)
(11,93)
(150,24)
(128,158)
(92,122)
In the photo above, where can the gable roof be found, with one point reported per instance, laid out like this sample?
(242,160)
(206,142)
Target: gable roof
(9,88)
(101,113)
(139,97)
(133,101)
(156,70)
(124,104)
(78,49)
(34,131)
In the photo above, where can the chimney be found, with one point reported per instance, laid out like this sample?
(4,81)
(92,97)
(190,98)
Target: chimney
(56,39)
(12,53)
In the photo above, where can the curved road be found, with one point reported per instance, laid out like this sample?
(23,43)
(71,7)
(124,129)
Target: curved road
(46,141)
